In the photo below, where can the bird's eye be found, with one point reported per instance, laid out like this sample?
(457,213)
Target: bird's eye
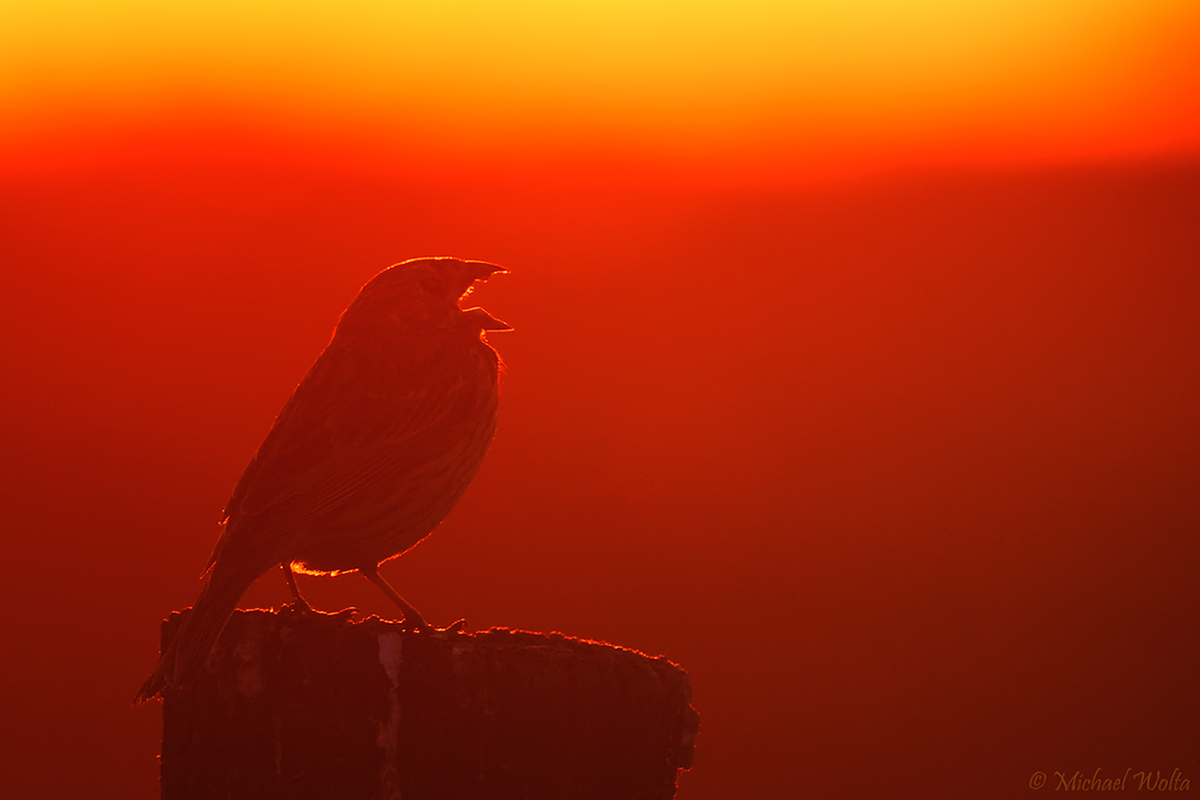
(430,284)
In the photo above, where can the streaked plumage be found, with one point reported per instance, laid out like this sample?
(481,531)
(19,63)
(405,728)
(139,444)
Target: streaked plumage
(373,449)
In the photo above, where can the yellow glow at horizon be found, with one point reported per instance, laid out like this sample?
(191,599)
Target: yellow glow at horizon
(624,69)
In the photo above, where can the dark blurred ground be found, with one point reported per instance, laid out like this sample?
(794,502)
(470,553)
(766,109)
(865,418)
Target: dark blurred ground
(905,474)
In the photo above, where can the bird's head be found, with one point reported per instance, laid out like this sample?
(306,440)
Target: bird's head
(422,295)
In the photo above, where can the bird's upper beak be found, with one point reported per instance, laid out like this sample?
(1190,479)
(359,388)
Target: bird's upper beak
(482,270)
(467,272)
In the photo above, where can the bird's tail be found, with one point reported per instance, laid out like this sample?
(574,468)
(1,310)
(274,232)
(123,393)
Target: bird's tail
(183,659)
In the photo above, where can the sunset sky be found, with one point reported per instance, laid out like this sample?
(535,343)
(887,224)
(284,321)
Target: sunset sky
(855,364)
(753,87)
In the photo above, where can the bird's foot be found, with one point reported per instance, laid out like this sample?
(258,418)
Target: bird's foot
(300,606)
(303,607)
(421,626)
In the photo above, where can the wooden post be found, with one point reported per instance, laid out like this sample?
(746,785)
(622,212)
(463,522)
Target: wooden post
(301,705)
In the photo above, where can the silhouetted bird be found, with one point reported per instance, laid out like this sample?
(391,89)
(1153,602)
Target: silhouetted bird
(371,451)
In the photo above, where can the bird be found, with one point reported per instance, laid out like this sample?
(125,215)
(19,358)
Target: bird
(375,446)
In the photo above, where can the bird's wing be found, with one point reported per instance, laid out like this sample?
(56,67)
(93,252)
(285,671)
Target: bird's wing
(327,446)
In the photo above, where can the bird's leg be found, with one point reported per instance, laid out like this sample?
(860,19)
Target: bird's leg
(290,577)
(412,617)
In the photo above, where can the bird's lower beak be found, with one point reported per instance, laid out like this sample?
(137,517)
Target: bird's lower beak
(486,321)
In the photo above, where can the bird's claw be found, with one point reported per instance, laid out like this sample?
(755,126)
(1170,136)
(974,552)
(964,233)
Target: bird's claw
(303,607)
(421,626)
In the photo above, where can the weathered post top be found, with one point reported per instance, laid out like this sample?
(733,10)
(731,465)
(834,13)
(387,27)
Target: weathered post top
(299,705)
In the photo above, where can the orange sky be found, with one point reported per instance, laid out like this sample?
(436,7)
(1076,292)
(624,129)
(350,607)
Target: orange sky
(927,445)
(755,83)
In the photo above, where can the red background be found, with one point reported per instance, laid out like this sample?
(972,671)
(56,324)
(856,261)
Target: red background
(904,472)
(856,364)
